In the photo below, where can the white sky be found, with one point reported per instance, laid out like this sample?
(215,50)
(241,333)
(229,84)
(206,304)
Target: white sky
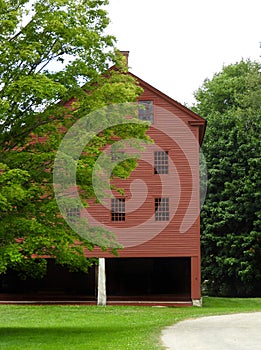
(174,45)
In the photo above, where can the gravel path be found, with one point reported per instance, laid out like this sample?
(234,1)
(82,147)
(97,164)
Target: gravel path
(228,332)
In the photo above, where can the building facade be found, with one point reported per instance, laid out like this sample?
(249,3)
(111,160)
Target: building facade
(156,218)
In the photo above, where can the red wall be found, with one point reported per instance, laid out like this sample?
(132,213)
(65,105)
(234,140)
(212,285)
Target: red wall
(172,131)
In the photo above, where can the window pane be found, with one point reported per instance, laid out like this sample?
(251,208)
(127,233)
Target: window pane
(162,209)
(117,156)
(146,111)
(118,209)
(73,214)
(161,162)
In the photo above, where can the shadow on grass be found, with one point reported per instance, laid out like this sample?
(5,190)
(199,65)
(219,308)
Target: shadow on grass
(53,331)
(91,337)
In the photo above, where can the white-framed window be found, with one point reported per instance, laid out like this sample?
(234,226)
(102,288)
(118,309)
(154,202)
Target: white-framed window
(118,209)
(161,162)
(117,155)
(146,112)
(73,213)
(162,209)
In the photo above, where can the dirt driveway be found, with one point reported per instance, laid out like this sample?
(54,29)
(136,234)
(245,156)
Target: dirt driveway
(228,332)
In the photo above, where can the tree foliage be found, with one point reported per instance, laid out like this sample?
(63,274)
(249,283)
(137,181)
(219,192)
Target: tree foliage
(37,37)
(54,60)
(231,216)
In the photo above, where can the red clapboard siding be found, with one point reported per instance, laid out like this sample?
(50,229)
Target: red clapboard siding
(178,186)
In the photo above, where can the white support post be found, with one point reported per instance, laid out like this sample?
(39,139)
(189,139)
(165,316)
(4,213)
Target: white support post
(101,283)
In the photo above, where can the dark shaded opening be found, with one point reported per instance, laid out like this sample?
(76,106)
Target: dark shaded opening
(148,278)
(58,284)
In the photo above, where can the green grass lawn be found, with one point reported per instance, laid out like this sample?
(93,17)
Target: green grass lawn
(104,328)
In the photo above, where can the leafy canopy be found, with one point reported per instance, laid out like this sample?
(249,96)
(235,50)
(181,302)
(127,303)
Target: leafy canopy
(231,216)
(54,60)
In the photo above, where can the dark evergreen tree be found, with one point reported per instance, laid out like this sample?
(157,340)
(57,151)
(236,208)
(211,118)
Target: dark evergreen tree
(231,215)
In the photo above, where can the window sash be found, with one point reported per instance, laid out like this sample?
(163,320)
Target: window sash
(117,156)
(146,113)
(161,162)
(118,209)
(73,214)
(162,209)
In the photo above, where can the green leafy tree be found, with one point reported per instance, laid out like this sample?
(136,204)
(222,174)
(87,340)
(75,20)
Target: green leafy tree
(231,216)
(54,69)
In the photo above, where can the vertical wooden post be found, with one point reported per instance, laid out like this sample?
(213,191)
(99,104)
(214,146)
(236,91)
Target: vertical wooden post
(195,281)
(101,300)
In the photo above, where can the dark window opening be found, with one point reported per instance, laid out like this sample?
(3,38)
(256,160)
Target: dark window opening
(161,162)
(162,209)
(118,209)
(146,111)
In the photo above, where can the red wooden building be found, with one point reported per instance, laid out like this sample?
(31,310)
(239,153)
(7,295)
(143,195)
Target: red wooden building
(156,220)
